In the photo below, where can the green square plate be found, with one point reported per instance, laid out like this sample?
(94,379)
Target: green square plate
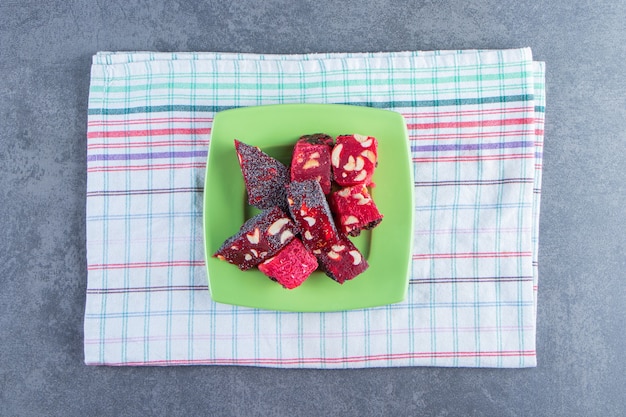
(275,130)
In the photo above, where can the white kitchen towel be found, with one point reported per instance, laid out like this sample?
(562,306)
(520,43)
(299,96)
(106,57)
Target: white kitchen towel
(475,121)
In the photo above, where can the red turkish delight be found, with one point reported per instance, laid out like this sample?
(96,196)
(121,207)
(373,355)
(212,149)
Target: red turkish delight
(265,177)
(311,160)
(291,266)
(354,210)
(341,261)
(354,159)
(261,237)
(310,211)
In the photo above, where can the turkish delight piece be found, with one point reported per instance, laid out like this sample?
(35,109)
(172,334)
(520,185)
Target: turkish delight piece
(354,210)
(310,211)
(265,177)
(311,160)
(291,266)
(261,237)
(353,159)
(341,261)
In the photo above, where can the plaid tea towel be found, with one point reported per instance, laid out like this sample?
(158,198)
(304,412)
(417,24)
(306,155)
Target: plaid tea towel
(475,120)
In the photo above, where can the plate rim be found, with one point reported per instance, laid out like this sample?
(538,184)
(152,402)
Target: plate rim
(400,295)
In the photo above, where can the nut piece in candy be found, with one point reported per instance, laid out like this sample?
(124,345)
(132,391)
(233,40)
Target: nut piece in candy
(311,163)
(360,138)
(356,256)
(369,155)
(362,200)
(338,248)
(350,165)
(334,157)
(277,225)
(361,176)
(333,255)
(344,192)
(253,237)
(284,236)
(350,220)
(360,163)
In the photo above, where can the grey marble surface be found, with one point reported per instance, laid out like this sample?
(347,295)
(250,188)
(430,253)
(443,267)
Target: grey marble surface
(45,50)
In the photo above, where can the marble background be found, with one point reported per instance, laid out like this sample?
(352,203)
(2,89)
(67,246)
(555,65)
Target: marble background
(45,52)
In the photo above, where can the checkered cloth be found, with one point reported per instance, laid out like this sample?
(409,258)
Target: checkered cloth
(475,120)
